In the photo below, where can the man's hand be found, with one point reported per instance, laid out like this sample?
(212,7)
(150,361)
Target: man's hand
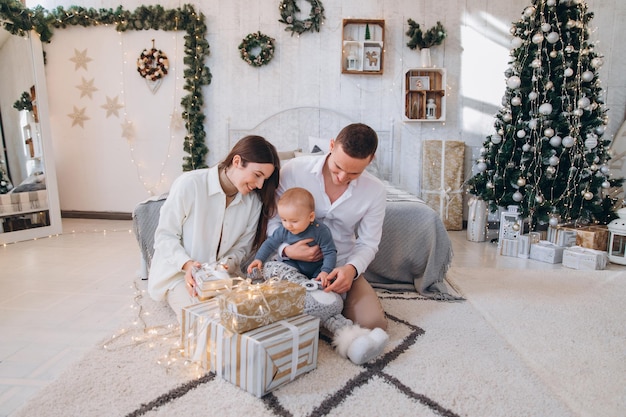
(343,277)
(301,251)
(190,282)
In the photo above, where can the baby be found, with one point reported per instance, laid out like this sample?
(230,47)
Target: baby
(296,209)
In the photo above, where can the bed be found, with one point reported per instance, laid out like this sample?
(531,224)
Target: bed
(415,250)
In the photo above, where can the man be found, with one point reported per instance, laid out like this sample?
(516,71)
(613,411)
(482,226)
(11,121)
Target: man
(351,202)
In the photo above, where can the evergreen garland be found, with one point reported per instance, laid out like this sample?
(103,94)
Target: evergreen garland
(25,102)
(18,20)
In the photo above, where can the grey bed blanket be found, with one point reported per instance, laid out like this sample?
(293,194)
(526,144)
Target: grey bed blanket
(414,253)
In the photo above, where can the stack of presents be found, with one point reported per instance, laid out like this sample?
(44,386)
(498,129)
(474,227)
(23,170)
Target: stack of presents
(576,247)
(253,335)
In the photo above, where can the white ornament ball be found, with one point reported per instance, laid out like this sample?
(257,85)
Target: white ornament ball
(529,11)
(577,112)
(553,37)
(596,62)
(517,42)
(553,160)
(507,117)
(606,184)
(587,195)
(600,130)
(496,139)
(554,221)
(516,101)
(489,185)
(551,3)
(521,134)
(536,63)
(539,199)
(604,169)
(550,170)
(501,132)
(546,27)
(568,141)
(533,95)
(537,38)
(532,123)
(593,167)
(584,103)
(555,141)
(591,141)
(515,227)
(568,72)
(587,76)
(549,132)
(526,147)
(517,196)
(553,54)
(521,181)
(545,109)
(569,49)
(514,82)
(481,167)
(549,85)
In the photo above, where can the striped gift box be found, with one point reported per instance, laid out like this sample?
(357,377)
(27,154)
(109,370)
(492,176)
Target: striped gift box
(257,361)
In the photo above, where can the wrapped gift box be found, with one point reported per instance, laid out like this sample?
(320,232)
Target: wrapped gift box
(250,306)
(564,235)
(257,361)
(545,251)
(593,237)
(211,281)
(509,247)
(442,180)
(577,257)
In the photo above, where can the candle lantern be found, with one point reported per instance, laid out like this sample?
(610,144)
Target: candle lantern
(431,109)
(617,238)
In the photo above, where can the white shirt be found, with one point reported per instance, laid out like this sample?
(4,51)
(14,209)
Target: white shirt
(360,211)
(193,219)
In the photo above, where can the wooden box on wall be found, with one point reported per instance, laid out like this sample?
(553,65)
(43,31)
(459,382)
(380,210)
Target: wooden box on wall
(362,46)
(420,86)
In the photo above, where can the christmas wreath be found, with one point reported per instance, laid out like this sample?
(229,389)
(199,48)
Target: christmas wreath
(288,8)
(257,49)
(152,64)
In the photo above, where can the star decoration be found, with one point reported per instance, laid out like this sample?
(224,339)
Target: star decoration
(80,59)
(112,106)
(176,119)
(78,116)
(86,88)
(128,130)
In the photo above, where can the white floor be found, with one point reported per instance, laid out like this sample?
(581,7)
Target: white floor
(60,296)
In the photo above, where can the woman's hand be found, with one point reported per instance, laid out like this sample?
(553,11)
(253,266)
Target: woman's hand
(190,282)
(301,251)
(341,278)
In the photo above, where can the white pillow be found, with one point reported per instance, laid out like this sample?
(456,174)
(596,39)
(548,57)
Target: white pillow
(321,143)
(284,155)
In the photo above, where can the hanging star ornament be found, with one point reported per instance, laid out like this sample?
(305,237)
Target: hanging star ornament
(86,88)
(78,117)
(112,106)
(80,59)
(128,130)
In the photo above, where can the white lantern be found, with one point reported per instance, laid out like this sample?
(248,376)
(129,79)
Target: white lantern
(510,224)
(617,238)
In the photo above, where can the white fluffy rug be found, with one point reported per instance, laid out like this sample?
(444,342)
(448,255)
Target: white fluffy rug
(519,346)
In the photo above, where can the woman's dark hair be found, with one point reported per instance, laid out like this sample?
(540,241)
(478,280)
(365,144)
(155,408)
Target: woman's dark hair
(258,150)
(358,140)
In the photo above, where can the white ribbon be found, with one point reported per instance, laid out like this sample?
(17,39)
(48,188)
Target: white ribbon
(295,343)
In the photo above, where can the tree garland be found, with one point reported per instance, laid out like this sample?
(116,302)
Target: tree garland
(432,37)
(257,42)
(18,20)
(288,9)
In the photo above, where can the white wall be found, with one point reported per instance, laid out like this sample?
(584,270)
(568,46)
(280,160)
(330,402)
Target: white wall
(99,170)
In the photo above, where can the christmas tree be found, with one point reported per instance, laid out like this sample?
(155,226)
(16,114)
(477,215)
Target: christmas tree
(548,155)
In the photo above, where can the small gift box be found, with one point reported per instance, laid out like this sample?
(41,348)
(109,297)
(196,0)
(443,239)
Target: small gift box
(545,251)
(257,361)
(593,237)
(509,247)
(562,235)
(577,257)
(254,305)
(211,280)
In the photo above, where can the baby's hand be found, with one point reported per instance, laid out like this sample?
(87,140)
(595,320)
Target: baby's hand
(323,278)
(254,264)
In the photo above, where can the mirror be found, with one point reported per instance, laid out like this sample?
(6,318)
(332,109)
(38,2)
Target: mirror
(29,202)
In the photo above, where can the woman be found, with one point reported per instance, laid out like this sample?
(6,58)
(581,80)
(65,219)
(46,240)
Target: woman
(217,214)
